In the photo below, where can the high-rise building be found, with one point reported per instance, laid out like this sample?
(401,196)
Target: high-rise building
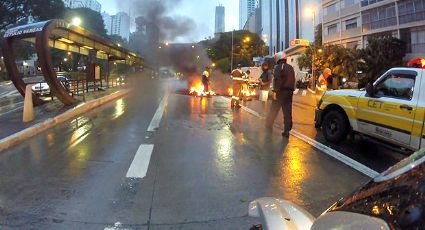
(118,24)
(91,4)
(351,22)
(282,21)
(246,8)
(253,24)
(107,20)
(219,19)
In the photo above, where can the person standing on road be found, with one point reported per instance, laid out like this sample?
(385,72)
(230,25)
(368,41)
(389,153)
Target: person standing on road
(206,80)
(265,78)
(283,91)
(322,83)
(238,79)
(265,81)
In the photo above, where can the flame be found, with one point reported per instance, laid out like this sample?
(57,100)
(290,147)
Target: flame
(245,92)
(198,89)
(230,91)
(248,93)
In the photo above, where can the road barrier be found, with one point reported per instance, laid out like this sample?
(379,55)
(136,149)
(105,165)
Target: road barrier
(28,114)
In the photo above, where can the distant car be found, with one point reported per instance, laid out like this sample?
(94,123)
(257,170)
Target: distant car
(393,200)
(42,88)
(121,80)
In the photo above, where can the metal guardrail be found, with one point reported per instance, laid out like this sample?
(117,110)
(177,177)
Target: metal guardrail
(78,87)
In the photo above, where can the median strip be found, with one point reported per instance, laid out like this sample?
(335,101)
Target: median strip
(13,139)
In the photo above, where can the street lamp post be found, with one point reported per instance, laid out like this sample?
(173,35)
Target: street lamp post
(314,52)
(231,57)
(312,12)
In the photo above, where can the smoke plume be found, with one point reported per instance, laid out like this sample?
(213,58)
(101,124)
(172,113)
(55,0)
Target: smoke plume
(158,13)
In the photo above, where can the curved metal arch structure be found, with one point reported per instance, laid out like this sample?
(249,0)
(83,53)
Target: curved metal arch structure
(61,35)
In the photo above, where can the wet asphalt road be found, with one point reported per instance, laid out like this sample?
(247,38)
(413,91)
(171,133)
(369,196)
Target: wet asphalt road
(372,155)
(208,162)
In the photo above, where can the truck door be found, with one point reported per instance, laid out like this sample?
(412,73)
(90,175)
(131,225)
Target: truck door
(390,113)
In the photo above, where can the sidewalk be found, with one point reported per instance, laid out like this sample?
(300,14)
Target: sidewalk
(11,123)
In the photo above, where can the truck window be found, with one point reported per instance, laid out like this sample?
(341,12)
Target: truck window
(399,86)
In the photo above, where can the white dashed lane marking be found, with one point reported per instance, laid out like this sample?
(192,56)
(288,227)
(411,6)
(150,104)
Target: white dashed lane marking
(140,164)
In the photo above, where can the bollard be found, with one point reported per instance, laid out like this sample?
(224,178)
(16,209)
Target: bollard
(28,115)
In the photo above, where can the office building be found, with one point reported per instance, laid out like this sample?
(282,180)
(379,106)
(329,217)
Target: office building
(219,19)
(351,22)
(246,8)
(118,24)
(253,23)
(107,20)
(91,4)
(280,22)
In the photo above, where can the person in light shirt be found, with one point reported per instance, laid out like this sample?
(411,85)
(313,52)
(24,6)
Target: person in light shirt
(322,83)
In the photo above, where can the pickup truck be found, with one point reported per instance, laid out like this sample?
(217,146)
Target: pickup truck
(392,109)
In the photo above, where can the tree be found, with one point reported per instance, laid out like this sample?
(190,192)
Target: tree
(246,45)
(342,61)
(380,55)
(118,39)
(318,35)
(90,19)
(14,11)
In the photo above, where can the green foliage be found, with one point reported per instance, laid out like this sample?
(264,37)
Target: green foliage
(380,55)
(223,65)
(13,11)
(45,9)
(318,35)
(118,39)
(220,51)
(90,19)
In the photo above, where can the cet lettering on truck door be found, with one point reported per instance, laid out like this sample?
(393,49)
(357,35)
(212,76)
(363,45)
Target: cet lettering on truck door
(390,112)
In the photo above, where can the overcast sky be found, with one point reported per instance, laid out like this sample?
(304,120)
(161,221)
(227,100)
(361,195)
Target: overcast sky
(202,12)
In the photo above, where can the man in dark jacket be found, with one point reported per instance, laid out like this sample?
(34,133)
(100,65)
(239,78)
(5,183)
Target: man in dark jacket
(283,88)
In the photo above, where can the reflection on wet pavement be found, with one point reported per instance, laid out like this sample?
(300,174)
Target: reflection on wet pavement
(120,107)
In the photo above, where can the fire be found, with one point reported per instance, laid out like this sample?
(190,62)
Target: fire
(198,89)
(230,91)
(248,93)
(245,92)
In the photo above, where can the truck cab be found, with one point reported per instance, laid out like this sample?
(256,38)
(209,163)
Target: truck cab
(392,109)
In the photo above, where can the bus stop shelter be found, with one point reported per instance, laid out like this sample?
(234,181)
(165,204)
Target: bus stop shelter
(61,35)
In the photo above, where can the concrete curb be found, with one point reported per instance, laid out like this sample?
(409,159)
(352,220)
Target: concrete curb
(20,136)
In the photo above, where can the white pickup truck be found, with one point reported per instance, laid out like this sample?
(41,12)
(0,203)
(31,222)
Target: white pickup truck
(391,109)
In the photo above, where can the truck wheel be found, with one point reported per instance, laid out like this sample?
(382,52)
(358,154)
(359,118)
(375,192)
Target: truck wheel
(335,127)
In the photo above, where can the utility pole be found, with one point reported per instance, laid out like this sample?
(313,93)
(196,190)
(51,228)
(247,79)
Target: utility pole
(231,57)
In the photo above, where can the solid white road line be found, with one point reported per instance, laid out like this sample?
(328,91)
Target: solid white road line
(296,91)
(329,151)
(255,113)
(140,164)
(156,120)
(337,155)
(304,93)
